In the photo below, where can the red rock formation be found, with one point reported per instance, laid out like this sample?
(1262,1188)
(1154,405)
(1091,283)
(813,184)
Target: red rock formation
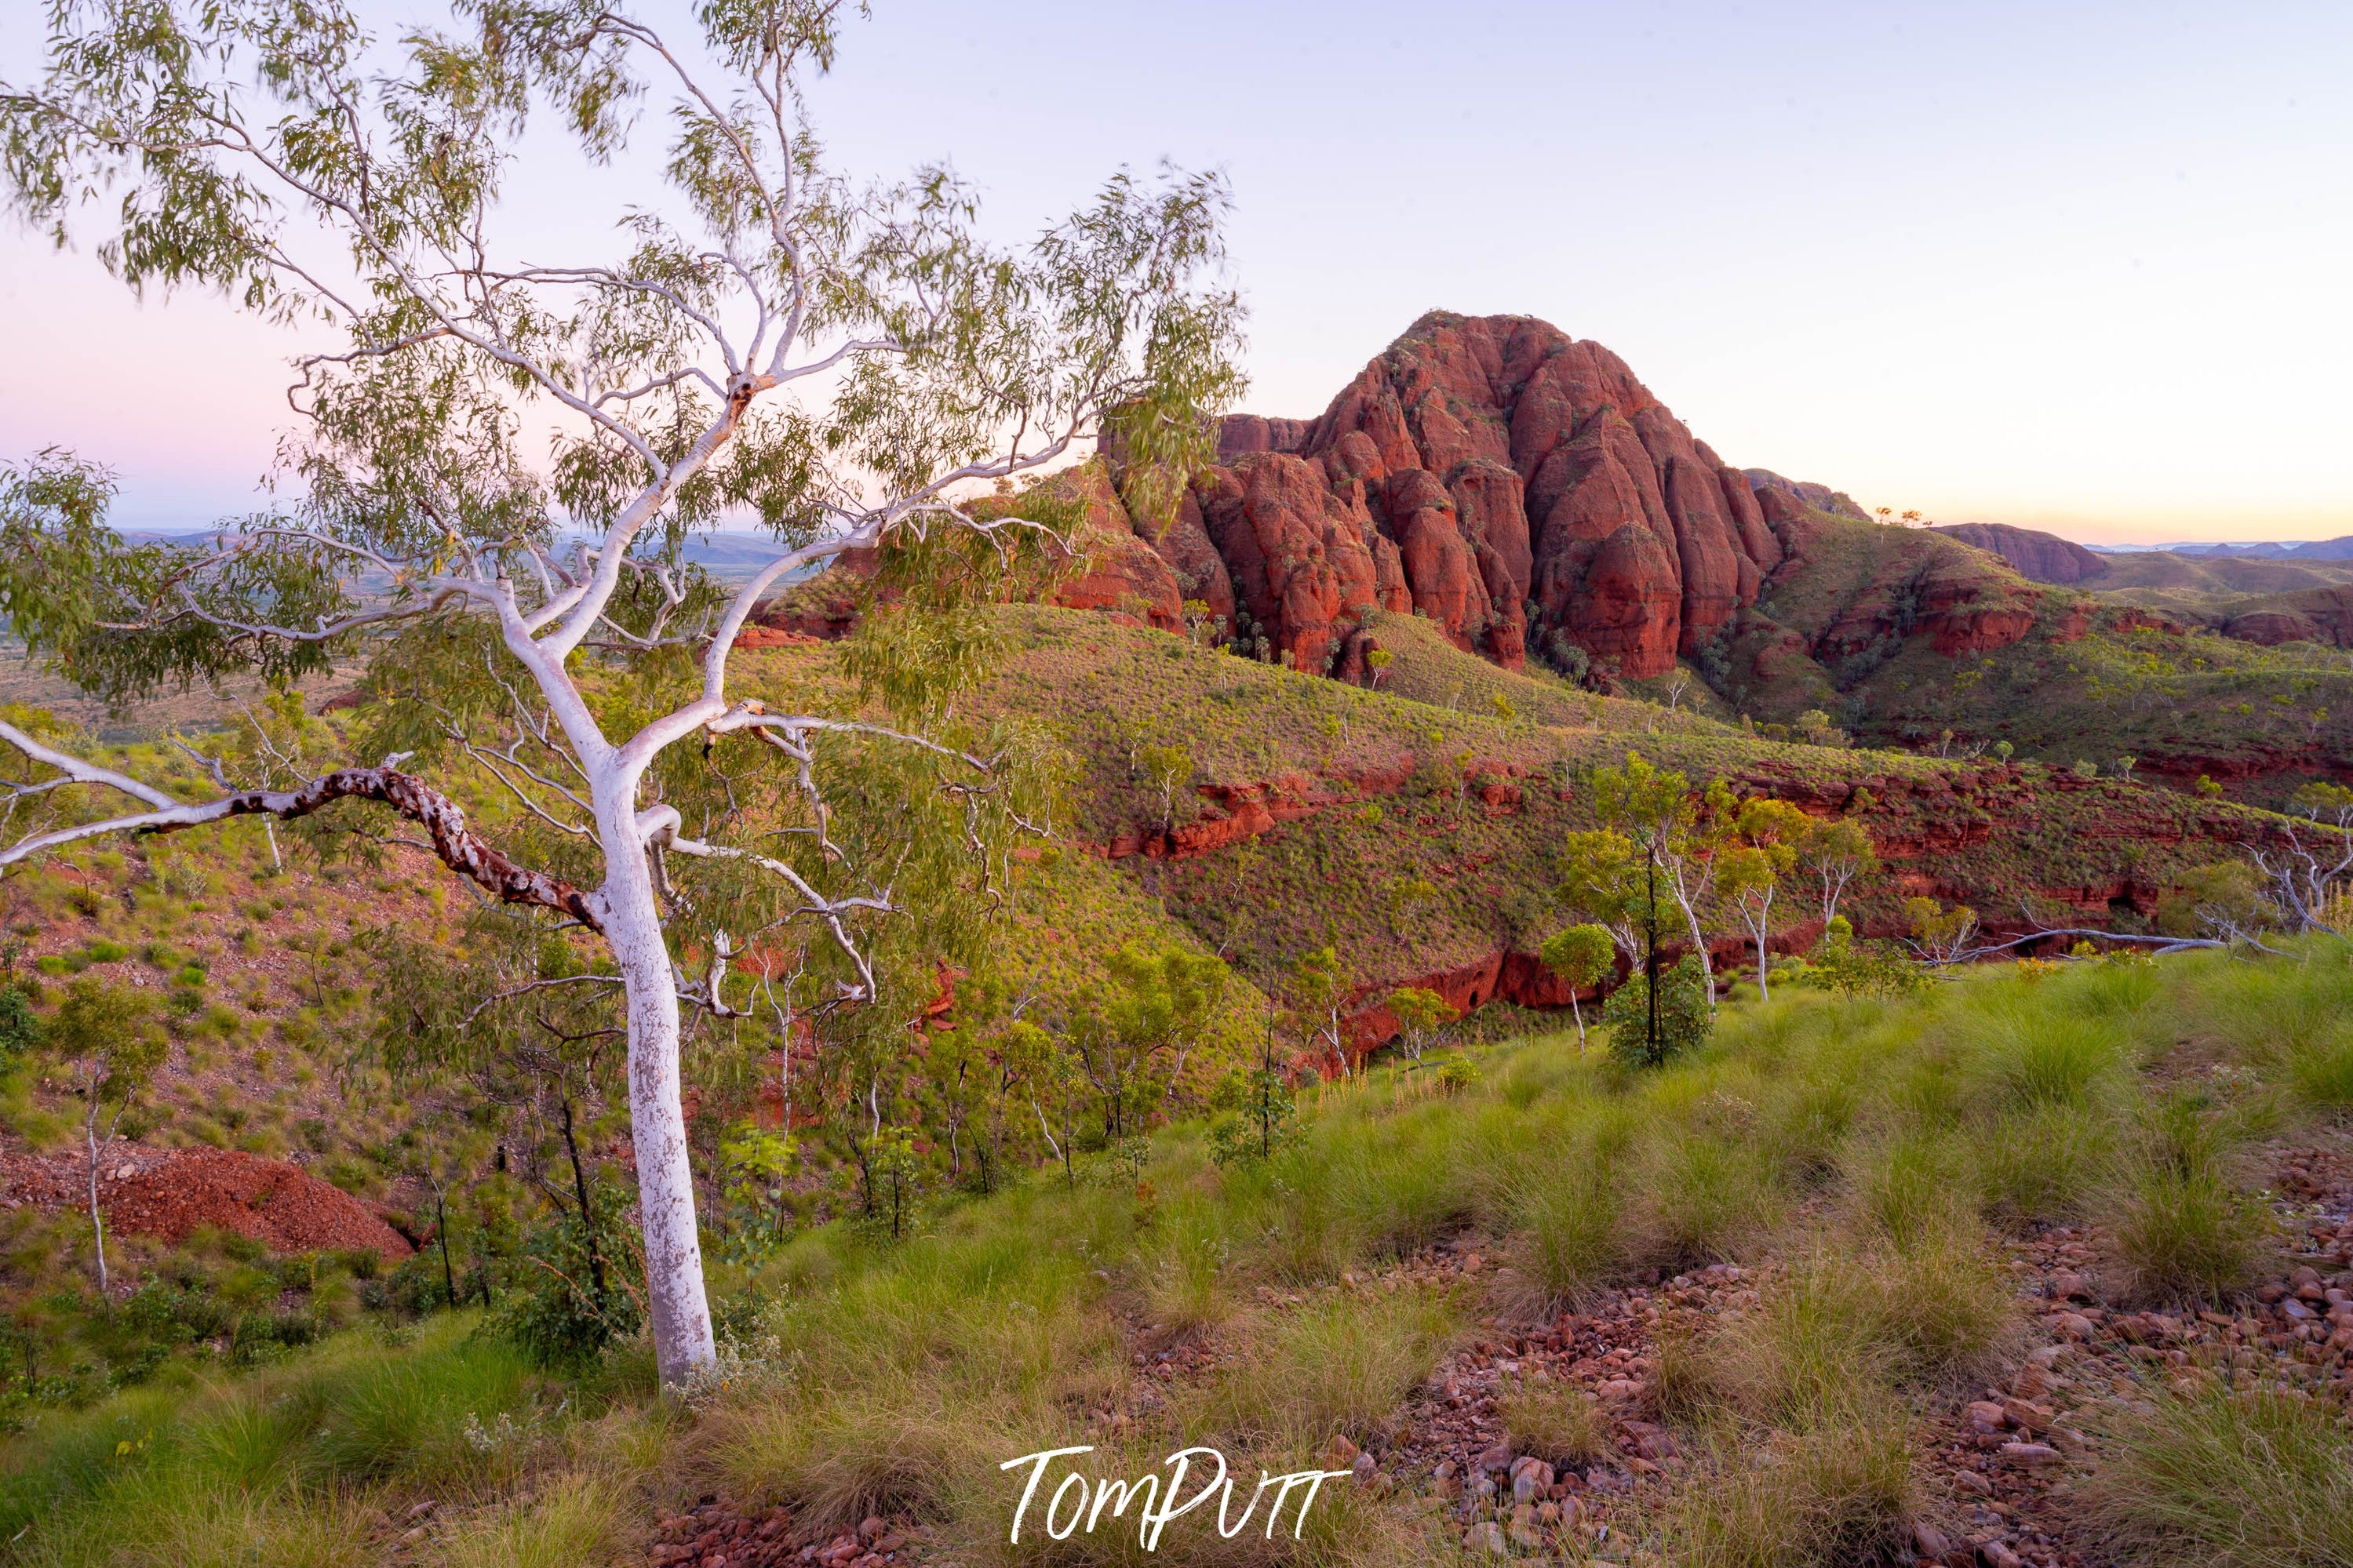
(1303,553)
(1481,469)
(1820,498)
(1116,569)
(2044,557)
(2324,615)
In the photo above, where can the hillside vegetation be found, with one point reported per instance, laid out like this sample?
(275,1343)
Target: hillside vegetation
(1818,1243)
(1309,809)
(1915,640)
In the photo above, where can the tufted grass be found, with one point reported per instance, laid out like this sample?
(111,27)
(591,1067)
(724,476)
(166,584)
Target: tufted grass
(2252,1480)
(1558,1423)
(1870,1153)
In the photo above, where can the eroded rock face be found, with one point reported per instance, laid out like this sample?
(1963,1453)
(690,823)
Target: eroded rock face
(1119,569)
(1512,484)
(2323,615)
(2044,557)
(1820,498)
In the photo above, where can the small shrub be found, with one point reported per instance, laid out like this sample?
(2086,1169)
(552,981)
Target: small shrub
(557,1313)
(1856,967)
(20,1026)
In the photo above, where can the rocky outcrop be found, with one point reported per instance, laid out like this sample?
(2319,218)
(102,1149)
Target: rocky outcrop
(1820,498)
(2043,557)
(2323,615)
(1520,488)
(1874,587)
(1113,565)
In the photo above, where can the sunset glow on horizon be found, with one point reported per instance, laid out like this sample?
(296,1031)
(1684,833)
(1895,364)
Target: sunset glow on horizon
(2079,269)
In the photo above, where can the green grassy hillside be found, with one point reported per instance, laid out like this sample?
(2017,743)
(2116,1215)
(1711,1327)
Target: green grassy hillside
(1855,629)
(1815,1246)
(1415,827)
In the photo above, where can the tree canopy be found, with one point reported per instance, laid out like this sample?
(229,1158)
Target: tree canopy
(495,467)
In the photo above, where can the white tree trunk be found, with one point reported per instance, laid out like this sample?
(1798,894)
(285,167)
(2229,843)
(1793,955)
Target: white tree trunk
(97,1222)
(1759,927)
(1690,907)
(675,1297)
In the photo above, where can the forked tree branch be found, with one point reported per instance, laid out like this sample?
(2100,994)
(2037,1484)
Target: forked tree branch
(459,847)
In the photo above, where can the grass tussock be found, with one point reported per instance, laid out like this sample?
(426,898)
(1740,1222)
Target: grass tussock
(1706,1196)
(2047,1162)
(2184,1229)
(1338,1365)
(1829,1496)
(1558,1423)
(575,1520)
(1572,1236)
(1845,1322)
(2253,1479)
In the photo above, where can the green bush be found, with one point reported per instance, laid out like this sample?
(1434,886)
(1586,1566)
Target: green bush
(20,1026)
(557,1313)
(1684,1017)
(1849,966)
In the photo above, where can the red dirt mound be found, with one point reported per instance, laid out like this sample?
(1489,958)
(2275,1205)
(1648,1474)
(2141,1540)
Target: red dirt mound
(170,1194)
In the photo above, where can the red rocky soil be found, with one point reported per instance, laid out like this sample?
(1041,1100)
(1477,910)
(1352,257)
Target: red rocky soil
(713,1535)
(172,1193)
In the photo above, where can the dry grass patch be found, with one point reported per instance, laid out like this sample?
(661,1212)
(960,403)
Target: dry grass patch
(2256,1479)
(1558,1423)
(1340,1363)
(1836,1494)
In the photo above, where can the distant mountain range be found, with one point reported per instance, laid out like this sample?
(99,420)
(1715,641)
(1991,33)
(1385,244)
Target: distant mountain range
(729,557)
(2339,549)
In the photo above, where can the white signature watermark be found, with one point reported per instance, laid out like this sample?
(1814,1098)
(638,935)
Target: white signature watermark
(1154,1507)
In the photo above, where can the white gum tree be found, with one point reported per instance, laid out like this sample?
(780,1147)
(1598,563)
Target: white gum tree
(848,363)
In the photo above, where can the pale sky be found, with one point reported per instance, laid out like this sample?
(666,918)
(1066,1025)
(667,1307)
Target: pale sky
(2080,267)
